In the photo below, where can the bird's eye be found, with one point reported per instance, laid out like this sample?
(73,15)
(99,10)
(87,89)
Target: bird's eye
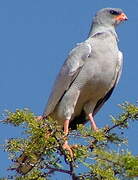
(114,12)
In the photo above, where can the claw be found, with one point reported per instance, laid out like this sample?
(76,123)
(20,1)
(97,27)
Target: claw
(68,148)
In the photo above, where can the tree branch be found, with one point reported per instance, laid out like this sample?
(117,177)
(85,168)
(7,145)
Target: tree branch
(57,169)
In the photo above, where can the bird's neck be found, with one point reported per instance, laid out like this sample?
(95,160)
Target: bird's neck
(96,28)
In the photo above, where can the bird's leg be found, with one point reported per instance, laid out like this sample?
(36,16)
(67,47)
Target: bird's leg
(66,130)
(93,124)
(66,127)
(39,118)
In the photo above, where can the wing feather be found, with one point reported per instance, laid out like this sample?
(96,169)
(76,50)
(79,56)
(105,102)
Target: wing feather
(68,74)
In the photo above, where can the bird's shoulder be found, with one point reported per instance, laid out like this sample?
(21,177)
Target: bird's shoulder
(108,36)
(77,57)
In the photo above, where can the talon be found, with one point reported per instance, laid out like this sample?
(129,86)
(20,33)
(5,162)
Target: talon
(39,118)
(68,148)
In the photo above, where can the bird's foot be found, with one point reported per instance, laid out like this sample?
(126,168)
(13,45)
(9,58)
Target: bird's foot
(68,148)
(39,118)
(95,128)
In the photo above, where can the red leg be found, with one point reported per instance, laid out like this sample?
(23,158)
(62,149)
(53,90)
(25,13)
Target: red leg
(39,118)
(66,130)
(93,124)
(66,127)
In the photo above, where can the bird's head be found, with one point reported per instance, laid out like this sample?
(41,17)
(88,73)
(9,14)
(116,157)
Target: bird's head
(107,19)
(110,17)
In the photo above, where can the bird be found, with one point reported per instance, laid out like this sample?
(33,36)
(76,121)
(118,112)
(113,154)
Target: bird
(88,76)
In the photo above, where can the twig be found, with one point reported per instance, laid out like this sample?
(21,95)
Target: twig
(116,125)
(108,130)
(59,170)
(4,120)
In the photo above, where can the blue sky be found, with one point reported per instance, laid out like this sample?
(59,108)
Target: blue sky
(35,38)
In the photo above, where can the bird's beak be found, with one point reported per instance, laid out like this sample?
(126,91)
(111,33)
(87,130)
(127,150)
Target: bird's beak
(121,17)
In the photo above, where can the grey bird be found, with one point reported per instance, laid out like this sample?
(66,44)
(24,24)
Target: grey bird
(89,74)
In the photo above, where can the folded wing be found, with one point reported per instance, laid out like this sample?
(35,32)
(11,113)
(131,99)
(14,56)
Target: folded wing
(68,73)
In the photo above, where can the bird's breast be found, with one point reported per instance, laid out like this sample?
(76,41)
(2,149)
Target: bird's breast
(98,73)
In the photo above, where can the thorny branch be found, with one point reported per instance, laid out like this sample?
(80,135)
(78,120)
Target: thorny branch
(57,169)
(107,135)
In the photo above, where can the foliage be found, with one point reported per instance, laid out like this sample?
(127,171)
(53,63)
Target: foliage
(99,155)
